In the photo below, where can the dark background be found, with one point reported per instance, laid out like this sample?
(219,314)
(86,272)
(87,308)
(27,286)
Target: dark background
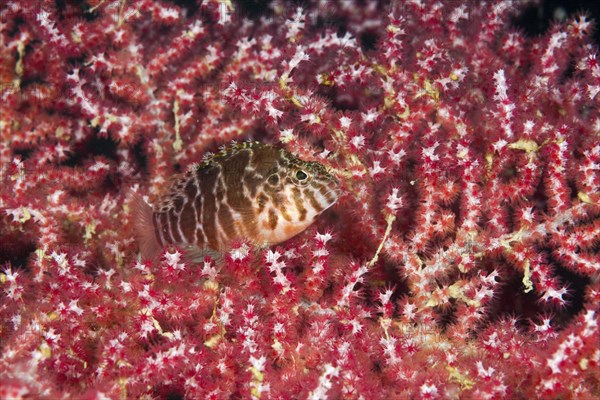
(537,19)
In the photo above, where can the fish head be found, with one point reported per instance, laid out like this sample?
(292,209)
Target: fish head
(294,193)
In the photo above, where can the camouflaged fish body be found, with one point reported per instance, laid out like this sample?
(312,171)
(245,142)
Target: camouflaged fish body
(248,191)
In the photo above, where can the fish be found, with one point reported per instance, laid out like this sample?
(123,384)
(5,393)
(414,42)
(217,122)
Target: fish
(249,191)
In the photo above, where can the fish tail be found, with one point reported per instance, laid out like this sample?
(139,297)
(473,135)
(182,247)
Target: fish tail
(143,225)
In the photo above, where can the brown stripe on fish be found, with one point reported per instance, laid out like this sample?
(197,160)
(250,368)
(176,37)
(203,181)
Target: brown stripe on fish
(173,220)
(194,198)
(312,200)
(174,217)
(285,214)
(272,219)
(238,201)
(179,226)
(187,222)
(235,187)
(253,182)
(191,188)
(178,203)
(326,194)
(261,201)
(222,209)
(226,221)
(161,224)
(299,203)
(166,226)
(277,200)
(208,178)
(200,235)
(209,220)
(220,190)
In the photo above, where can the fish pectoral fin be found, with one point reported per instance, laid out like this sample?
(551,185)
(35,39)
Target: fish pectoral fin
(195,254)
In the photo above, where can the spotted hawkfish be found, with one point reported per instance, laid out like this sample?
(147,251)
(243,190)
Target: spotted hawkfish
(248,191)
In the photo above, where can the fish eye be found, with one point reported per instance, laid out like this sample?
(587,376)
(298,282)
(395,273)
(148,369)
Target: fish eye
(273,180)
(301,175)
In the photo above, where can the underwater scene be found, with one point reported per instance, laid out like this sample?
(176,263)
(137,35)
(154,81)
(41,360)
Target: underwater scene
(320,199)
